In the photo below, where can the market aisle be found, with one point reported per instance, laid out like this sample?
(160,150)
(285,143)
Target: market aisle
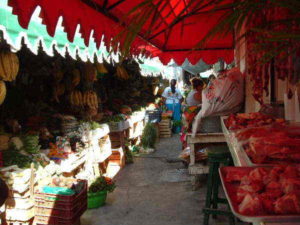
(152,192)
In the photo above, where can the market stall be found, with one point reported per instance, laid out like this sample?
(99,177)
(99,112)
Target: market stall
(58,118)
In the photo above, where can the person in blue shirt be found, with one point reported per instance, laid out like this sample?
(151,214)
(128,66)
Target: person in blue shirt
(173,99)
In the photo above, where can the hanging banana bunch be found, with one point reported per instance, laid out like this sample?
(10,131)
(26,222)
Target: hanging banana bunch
(90,99)
(2,91)
(122,73)
(101,68)
(75,78)
(76,98)
(90,72)
(9,66)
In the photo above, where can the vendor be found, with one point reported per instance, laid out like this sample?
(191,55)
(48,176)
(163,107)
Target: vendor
(3,192)
(194,98)
(173,99)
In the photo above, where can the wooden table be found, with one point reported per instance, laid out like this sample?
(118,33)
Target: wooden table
(196,169)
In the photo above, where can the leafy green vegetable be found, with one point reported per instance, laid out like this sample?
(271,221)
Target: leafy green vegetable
(94,125)
(31,144)
(102,184)
(129,157)
(149,136)
(14,157)
(116,118)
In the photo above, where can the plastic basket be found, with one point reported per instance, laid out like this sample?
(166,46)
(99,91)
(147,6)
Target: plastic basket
(210,125)
(153,116)
(96,200)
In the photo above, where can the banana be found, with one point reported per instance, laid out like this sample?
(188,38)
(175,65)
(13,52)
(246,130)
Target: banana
(71,98)
(77,98)
(96,100)
(101,68)
(80,98)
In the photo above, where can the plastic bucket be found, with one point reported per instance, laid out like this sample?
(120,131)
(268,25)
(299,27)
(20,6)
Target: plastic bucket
(176,129)
(96,200)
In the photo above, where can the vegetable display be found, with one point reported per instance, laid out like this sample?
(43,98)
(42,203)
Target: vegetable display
(14,157)
(149,136)
(31,144)
(102,184)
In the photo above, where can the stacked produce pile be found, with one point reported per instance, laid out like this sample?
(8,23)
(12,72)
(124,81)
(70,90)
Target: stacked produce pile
(264,191)
(69,125)
(23,150)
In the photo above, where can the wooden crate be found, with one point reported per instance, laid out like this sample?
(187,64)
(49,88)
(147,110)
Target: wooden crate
(12,222)
(165,128)
(117,157)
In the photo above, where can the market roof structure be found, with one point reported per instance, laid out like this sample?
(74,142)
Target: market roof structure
(176,31)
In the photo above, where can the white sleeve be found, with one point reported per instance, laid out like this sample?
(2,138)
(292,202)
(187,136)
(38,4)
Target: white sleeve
(165,93)
(179,94)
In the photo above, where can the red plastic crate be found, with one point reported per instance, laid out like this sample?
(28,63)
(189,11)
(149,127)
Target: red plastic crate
(51,220)
(66,211)
(60,201)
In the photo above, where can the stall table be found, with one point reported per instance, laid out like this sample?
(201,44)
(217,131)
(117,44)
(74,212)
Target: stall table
(203,139)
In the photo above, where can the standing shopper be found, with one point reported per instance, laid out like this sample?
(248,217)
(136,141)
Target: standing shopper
(194,98)
(173,99)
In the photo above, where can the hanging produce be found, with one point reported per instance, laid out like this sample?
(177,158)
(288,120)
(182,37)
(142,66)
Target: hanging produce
(101,68)
(76,98)
(2,92)
(90,99)
(58,90)
(90,72)
(122,73)
(9,66)
(75,78)
(58,75)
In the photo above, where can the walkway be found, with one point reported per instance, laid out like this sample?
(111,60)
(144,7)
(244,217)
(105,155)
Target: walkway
(154,190)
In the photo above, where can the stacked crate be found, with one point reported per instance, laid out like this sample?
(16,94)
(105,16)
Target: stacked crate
(55,209)
(117,157)
(19,207)
(165,129)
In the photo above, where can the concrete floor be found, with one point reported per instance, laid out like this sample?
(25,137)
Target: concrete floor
(153,191)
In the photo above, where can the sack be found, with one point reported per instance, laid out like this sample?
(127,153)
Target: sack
(225,95)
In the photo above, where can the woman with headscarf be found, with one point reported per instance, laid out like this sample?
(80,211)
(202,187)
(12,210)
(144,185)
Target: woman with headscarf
(173,99)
